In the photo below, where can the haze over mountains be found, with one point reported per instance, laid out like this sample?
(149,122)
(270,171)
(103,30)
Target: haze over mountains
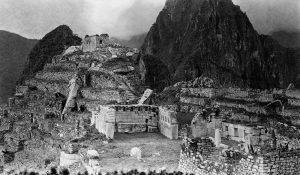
(13,54)
(287,39)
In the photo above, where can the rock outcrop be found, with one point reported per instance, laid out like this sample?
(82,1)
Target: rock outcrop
(215,38)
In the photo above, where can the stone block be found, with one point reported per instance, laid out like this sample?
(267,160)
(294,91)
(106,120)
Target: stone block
(68,159)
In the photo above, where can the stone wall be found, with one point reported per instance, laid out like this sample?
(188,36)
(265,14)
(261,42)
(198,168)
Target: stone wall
(197,157)
(200,157)
(168,124)
(293,94)
(22,89)
(249,108)
(199,92)
(98,94)
(68,159)
(103,81)
(49,86)
(287,135)
(193,100)
(126,118)
(51,67)
(60,76)
(273,163)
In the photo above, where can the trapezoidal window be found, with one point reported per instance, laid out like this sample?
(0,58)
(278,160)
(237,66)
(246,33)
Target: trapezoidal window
(100,42)
(236,132)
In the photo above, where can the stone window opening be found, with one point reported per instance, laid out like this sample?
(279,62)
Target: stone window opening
(146,121)
(245,134)
(226,128)
(82,108)
(31,118)
(100,42)
(236,132)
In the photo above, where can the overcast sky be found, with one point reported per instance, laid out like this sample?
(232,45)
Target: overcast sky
(124,18)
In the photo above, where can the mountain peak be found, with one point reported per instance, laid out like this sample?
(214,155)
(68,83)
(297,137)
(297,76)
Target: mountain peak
(216,39)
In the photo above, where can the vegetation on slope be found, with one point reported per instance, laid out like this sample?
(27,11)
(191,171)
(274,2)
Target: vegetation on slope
(50,45)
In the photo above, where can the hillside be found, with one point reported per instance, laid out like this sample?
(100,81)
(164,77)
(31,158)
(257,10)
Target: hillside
(215,38)
(50,45)
(13,53)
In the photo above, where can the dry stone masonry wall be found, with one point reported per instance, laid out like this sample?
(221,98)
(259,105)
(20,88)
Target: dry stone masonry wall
(197,157)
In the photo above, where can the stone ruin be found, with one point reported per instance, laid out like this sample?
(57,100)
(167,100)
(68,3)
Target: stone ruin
(200,156)
(99,84)
(91,43)
(55,106)
(135,118)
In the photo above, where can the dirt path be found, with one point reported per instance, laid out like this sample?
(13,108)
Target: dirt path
(157,152)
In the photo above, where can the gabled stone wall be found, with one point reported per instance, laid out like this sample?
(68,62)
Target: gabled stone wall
(168,124)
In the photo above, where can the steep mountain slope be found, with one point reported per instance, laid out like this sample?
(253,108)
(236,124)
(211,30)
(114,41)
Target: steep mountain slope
(287,39)
(50,45)
(215,38)
(13,53)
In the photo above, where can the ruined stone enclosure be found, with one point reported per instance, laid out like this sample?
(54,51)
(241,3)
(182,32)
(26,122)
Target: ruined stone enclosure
(135,118)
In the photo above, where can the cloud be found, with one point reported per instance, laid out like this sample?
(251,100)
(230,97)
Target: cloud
(123,18)
(269,16)
(35,18)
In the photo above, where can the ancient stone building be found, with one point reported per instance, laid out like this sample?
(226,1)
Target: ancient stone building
(249,135)
(125,118)
(91,43)
(135,118)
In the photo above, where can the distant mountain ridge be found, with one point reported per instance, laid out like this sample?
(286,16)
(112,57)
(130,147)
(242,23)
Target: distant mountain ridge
(287,39)
(135,41)
(214,38)
(14,50)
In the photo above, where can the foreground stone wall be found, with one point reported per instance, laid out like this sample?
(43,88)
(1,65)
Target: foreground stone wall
(273,163)
(197,157)
(287,135)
